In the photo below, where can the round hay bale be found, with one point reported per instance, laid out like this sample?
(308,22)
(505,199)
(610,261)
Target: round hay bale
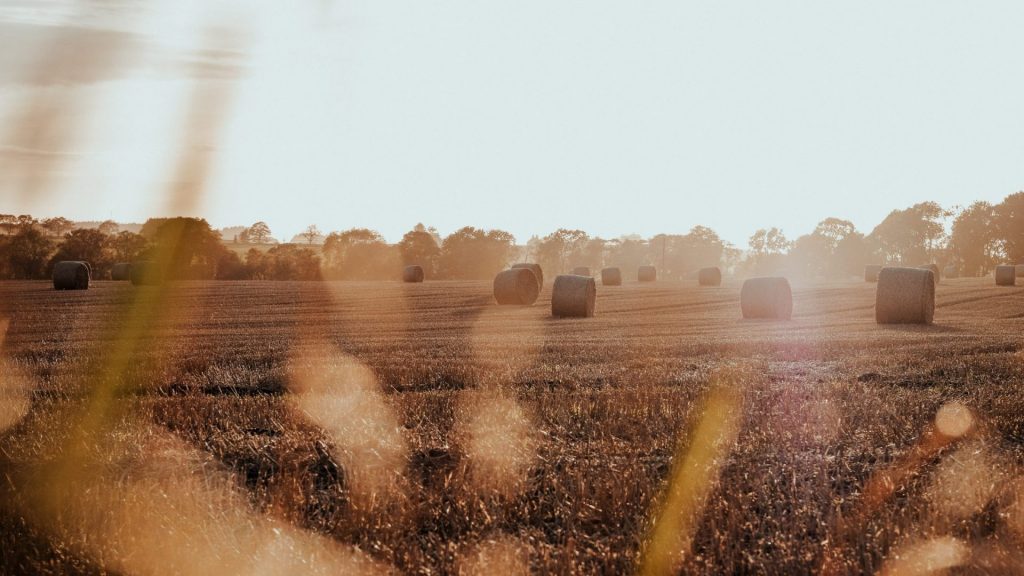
(535,268)
(581,271)
(709,276)
(1020,270)
(871,272)
(905,296)
(121,271)
(646,274)
(71,275)
(517,286)
(936,273)
(769,297)
(413,274)
(573,296)
(1006,275)
(611,277)
(145,274)
(950,271)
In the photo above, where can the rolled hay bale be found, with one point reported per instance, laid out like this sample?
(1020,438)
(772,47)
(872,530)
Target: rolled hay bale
(611,277)
(581,271)
(1020,270)
(145,274)
(905,296)
(950,271)
(412,273)
(517,286)
(768,297)
(709,276)
(871,272)
(535,268)
(646,274)
(573,296)
(936,273)
(121,271)
(1006,275)
(71,275)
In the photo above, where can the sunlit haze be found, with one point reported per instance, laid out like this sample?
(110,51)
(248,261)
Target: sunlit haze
(528,116)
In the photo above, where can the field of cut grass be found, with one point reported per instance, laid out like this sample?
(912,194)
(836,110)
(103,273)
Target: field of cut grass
(373,427)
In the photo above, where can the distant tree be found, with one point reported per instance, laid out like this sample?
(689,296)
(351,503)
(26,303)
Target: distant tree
(973,241)
(1009,226)
(127,246)
(562,250)
(89,245)
(258,233)
(627,253)
(58,226)
(8,223)
(473,253)
(418,246)
(360,254)
(288,262)
(852,254)
(810,255)
(911,236)
(27,253)
(187,248)
(311,233)
(834,230)
(108,227)
(766,250)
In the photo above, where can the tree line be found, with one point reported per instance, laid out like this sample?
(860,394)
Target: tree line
(971,240)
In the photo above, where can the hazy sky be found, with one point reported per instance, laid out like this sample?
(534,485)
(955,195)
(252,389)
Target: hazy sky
(613,117)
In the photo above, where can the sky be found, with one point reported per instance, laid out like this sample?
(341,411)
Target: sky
(530,115)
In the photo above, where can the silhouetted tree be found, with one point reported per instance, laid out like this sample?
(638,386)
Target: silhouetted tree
(852,254)
(473,253)
(911,236)
(419,246)
(360,254)
(284,262)
(810,255)
(766,250)
(258,233)
(108,227)
(310,234)
(627,253)
(973,243)
(58,226)
(89,245)
(187,248)
(27,253)
(128,246)
(1009,226)
(562,250)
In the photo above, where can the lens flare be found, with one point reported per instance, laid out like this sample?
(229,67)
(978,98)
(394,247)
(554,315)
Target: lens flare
(499,441)
(342,396)
(928,557)
(503,554)
(954,420)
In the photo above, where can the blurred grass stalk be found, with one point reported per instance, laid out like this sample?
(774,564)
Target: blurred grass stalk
(695,471)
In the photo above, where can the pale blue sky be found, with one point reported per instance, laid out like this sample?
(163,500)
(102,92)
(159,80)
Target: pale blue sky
(613,117)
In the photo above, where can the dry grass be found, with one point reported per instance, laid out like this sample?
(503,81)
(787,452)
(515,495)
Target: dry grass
(421,428)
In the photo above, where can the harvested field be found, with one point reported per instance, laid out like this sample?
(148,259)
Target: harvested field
(424,428)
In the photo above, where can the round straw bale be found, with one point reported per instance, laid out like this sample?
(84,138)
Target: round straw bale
(936,273)
(905,296)
(950,271)
(581,271)
(517,286)
(121,271)
(1006,275)
(71,275)
(573,296)
(709,276)
(646,274)
(769,297)
(611,277)
(871,272)
(145,274)
(535,268)
(412,273)
(1020,270)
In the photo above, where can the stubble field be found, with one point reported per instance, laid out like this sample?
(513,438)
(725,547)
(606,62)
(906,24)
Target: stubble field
(422,429)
